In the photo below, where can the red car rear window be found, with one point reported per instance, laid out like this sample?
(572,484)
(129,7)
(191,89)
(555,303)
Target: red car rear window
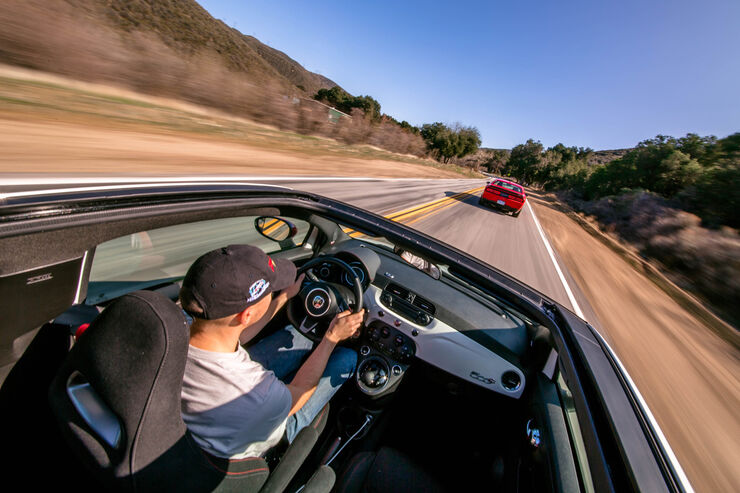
(509,186)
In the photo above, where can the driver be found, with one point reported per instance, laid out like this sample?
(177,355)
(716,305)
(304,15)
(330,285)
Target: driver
(234,401)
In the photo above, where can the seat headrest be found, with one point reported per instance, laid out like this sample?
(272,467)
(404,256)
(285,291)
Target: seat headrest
(128,366)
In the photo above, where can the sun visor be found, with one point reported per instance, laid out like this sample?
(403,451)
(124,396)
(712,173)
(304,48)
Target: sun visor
(34,297)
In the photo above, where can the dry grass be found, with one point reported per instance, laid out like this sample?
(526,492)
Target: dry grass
(700,260)
(29,97)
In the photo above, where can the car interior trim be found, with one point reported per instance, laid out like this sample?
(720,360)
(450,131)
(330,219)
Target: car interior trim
(448,349)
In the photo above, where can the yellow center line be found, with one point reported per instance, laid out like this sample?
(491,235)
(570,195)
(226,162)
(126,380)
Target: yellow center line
(405,214)
(445,206)
(271,226)
(423,210)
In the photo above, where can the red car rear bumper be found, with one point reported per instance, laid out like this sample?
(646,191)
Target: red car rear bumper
(497,200)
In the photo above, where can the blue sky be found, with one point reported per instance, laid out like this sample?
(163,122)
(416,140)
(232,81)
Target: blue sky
(588,73)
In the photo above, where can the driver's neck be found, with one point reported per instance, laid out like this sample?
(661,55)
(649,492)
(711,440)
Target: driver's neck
(214,336)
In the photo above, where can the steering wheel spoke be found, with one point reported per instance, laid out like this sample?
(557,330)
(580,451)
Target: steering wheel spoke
(307,325)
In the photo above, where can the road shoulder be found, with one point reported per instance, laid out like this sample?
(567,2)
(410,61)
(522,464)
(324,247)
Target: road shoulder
(688,373)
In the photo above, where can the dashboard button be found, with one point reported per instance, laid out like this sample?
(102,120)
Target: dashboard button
(385,332)
(398,341)
(396,370)
(365,350)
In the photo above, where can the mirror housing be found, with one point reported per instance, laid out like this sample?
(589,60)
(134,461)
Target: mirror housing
(275,228)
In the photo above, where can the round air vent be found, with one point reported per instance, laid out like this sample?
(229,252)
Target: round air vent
(511,381)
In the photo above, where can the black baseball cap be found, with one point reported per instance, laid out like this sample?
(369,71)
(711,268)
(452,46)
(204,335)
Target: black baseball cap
(225,281)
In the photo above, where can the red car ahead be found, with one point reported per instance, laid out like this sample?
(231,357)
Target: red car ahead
(504,195)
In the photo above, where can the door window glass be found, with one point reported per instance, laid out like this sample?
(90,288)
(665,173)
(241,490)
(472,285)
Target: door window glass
(148,258)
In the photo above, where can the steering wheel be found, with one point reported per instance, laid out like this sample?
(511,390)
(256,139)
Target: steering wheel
(319,301)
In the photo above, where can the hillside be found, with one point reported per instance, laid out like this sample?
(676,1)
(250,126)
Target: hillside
(176,49)
(126,41)
(603,157)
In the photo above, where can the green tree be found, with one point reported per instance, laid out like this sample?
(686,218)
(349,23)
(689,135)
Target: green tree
(526,161)
(496,161)
(446,142)
(716,195)
(343,101)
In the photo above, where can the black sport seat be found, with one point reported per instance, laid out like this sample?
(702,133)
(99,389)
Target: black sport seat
(387,471)
(116,399)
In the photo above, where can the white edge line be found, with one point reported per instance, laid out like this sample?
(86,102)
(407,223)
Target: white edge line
(50,191)
(653,422)
(79,281)
(48,180)
(121,183)
(550,251)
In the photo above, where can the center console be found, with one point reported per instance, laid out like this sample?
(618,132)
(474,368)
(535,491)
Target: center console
(385,354)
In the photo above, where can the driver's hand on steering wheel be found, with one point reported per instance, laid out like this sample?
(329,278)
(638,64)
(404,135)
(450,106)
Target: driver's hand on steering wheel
(344,326)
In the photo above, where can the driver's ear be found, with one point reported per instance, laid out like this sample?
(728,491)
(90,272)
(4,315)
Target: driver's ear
(244,316)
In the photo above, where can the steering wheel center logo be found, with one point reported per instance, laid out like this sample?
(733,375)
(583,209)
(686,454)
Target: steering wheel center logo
(318,302)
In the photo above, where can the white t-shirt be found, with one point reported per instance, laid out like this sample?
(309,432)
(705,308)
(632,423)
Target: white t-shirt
(233,406)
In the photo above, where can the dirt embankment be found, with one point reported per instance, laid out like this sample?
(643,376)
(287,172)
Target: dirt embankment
(688,374)
(52,124)
(46,147)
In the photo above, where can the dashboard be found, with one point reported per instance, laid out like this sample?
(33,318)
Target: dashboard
(440,321)
(331,273)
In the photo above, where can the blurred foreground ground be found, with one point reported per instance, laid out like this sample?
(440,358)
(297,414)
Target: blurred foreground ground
(689,376)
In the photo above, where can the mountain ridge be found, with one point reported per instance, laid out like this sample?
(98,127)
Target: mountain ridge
(130,30)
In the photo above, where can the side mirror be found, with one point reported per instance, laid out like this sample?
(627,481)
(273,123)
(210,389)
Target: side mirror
(275,228)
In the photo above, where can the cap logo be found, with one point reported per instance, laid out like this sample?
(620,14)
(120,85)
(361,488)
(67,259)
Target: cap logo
(257,289)
(271,264)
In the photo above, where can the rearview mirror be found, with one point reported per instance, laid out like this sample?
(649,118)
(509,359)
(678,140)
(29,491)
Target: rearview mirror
(420,263)
(275,228)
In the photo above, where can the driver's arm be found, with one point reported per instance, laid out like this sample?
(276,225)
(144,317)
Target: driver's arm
(304,383)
